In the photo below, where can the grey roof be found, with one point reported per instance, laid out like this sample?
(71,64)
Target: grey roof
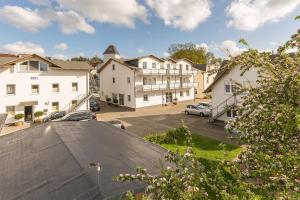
(2,120)
(201,67)
(80,65)
(111,49)
(51,161)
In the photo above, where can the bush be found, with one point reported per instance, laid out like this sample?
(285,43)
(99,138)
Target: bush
(19,116)
(172,136)
(115,101)
(108,99)
(38,114)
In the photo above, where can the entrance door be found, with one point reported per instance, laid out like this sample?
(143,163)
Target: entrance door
(28,113)
(169,97)
(121,99)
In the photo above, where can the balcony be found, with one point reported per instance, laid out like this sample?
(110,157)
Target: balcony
(168,86)
(166,72)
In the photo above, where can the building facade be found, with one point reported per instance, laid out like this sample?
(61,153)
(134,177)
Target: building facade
(146,81)
(32,83)
(224,96)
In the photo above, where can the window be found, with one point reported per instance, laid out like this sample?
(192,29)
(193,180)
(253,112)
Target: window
(196,91)
(154,81)
(12,69)
(181,93)
(43,66)
(74,103)
(146,97)
(129,98)
(153,65)
(207,80)
(128,79)
(11,89)
(227,87)
(228,113)
(145,81)
(10,110)
(231,113)
(55,106)
(113,67)
(114,80)
(144,65)
(168,66)
(233,88)
(187,67)
(33,65)
(23,67)
(74,87)
(55,87)
(180,66)
(34,89)
(187,93)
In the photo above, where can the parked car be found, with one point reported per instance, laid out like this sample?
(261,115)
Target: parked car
(117,124)
(54,115)
(82,115)
(94,106)
(197,110)
(205,104)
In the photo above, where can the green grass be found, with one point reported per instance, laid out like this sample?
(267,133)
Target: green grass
(206,148)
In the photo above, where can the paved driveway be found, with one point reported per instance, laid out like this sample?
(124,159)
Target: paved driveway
(157,119)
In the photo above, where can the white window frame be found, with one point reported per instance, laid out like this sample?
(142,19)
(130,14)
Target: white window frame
(76,87)
(53,88)
(188,93)
(147,97)
(57,106)
(153,65)
(38,89)
(14,92)
(128,79)
(129,98)
(144,65)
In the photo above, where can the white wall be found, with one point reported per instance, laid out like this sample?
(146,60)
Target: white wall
(107,87)
(24,80)
(218,91)
(208,77)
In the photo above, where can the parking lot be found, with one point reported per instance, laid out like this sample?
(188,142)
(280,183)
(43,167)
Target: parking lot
(157,119)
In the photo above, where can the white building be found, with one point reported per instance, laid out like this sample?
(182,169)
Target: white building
(209,76)
(145,81)
(32,83)
(224,99)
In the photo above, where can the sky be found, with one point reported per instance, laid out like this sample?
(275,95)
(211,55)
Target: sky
(67,28)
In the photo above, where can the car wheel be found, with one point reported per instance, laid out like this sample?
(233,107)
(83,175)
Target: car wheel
(201,114)
(186,112)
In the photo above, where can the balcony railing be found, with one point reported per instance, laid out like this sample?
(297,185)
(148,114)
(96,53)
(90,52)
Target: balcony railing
(166,72)
(167,86)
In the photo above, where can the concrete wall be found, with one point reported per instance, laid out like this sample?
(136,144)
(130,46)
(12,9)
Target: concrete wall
(218,92)
(45,97)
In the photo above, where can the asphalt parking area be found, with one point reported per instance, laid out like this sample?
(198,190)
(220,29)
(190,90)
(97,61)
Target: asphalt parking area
(158,119)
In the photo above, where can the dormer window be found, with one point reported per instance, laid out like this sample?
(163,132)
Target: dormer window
(33,66)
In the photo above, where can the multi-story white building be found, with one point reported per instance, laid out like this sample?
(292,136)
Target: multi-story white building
(31,83)
(224,96)
(145,81)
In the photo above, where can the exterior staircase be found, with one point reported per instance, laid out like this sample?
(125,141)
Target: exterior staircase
(80,102)
(223,107)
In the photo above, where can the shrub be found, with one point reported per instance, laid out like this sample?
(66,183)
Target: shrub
(19,116)
(115,101)
(38,114)
(108,99)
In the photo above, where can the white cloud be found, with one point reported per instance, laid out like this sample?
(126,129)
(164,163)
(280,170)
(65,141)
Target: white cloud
(59,57)
(166,54)
(204,46)
(141,51)
(70,22)
(248,15)
(230,47)
(23,18)
(40,2)
(118,12)
(21,47)
(61,46)
(273,43)
(183,14)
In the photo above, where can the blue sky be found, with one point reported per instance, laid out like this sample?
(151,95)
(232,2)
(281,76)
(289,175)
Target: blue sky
(142,27)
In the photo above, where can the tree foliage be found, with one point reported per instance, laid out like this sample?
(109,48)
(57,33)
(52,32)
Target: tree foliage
(189,51)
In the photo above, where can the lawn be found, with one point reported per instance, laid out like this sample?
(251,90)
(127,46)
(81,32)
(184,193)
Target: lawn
(203,147)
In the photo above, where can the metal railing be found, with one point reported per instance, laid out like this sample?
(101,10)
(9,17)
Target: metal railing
(167,72)
(222,107)
(165,86)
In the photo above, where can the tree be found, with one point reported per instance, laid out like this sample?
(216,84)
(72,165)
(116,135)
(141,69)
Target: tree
(267,121)
(189,51)
(80,58)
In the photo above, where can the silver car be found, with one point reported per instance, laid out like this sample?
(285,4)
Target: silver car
(197,110)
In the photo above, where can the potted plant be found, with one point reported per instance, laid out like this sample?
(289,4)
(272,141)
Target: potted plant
(18,117)
(115,101)
(108,100)
(38,114)
(175,101)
